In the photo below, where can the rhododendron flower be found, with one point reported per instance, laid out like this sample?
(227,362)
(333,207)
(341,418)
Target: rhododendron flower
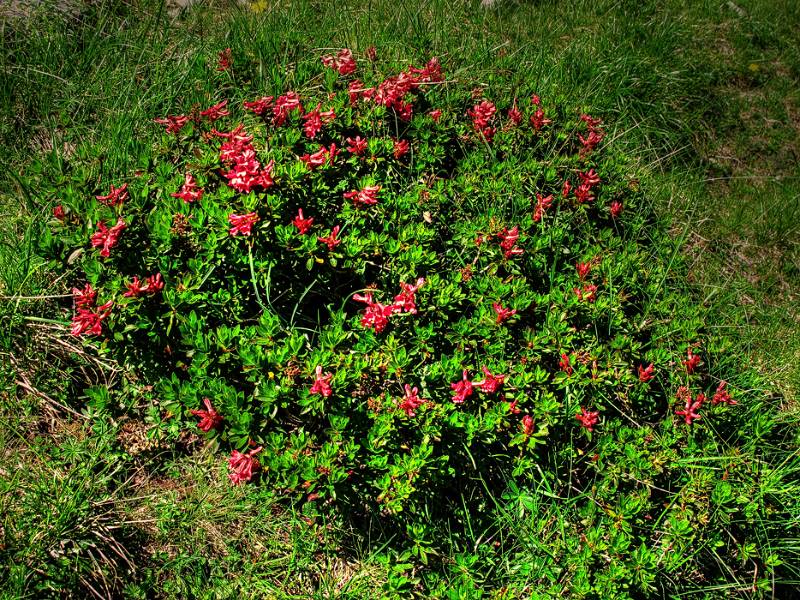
(435,114)
(364,197)
(357,145)
(692,361)
(106,238)
(646,373)
(513,408)
(490,383)
(565,189)
(331,240)
(722,395)
(288,102)
(91,322)
(590,142)
(588,419)
(583,269)
(542,204)
(588,293)
(116,196)
(482,115)
(591,123)
(247,173)
(152,285)
(209,418)
(303,225)
(190,191)
(527,425)
(463,388)
(242,224)
(261,106)
(84,298)
(689,412)
(616,208)
(321,383)
(376,316)
(58,212)
(411,400)
(583,194)
(342,62)
(406,300)
(173,123)
(314,119)
(538,119)
(503,313)
(565,365)
(590,178)
(514,114)
(224,60)
(356,90)
(215,112)
(401,148)
(509,239)
(243,465)
(320,157)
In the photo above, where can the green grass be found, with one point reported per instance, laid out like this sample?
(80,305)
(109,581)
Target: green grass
(707,98)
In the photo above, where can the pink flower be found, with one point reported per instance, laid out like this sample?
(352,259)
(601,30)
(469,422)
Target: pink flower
(243,465)
(508,240)
(152,285)
(590,142)
(590,179)
(190,192)
(314,119)
(342,62)
(722,395)
(463,389)
(86,320)
(288,102)
(84,298)
(513,408)
(482,115)
(435,115)
(514,114)
(406,300)
(106,238)
(527,425)
(321,383)
(538,120)
(242,224)
(692,361)
(689,412)
(331,240)
(583,194)
(376,316)
(583,269)
(646,373)
(616,208)
(365,197)
(260,106)
(215,112)
(356,91)
(401,148)
(588,293)
(116,196)
(565,189)
(411,400)
(173,123)
(565,365)
(303,225)
(319,158)
(503,313)
(209,418)
(542,204)
(356,146)
(490,383)
(58,212)
(588,419)
(225,60)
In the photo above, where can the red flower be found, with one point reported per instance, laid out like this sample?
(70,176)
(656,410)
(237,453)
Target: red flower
(152,285)
(190,192)
(583,194)
(89,321)
(242,466)
(588,418)
(365,197)
(542,204)
(538,120)
(285,104)
(565,189)
(722,395)
(646,373)
(356,91)
(463,389)
(106,238)
(435,115)
(342,62)
(116,196)
(503,313)
(225,60)
(595,134)
(590,122)
(482,115)
(320,157)
(209,418)
(331,240)
(514,114)
(84,298)
(401,148)
(376,316)
(303,225)
(513,408)
(314,119)
(509,239)
(490,383)
(356,146)
(58,212)
(588,293)
(242,224)
(406,300)
(173,123)
(321,383)
(583,269)
(215,112)
(411,401)
(565,365)
(527,425)
(589,179)
(616,208)
(689,412)
(692,361)
(261,106)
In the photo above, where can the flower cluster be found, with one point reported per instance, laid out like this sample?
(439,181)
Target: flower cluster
(88,317)
(245,173)
(482,115)
(116,196)
(343,62)
(376,315)
(152,285)
(106,238)
(190,191)
(366,196)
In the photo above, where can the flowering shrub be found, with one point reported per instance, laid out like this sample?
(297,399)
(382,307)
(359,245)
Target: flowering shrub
(393,296)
